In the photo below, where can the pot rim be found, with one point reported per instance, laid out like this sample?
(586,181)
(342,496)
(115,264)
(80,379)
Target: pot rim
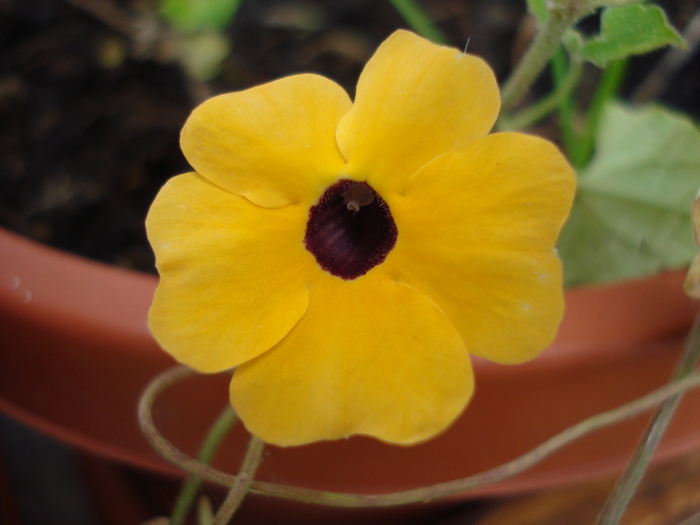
(39,284)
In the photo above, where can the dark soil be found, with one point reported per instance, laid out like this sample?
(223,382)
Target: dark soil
(89,132)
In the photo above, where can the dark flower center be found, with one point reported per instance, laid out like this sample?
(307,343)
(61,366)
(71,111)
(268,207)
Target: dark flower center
(350,230)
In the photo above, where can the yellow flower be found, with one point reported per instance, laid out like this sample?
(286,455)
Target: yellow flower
(348,258)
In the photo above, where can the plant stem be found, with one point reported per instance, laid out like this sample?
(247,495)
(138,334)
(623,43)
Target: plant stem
(627,484)
(216,434)
(419,21)
(539,110)
(240,488)
(164,447)
(204,512)
(167,450)
(567,104)
(538,54)
(606,90)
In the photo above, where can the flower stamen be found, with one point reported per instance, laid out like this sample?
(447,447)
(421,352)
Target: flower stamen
(346,243)
(358,195)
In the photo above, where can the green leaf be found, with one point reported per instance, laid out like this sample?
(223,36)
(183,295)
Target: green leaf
(630,30)
(189,16)
(202,54)
(631,216)
(537,8)
(573,42)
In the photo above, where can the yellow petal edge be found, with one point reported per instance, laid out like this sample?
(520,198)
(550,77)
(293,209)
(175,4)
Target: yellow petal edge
(415,100)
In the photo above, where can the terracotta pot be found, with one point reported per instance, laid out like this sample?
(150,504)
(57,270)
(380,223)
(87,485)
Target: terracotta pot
(76,353)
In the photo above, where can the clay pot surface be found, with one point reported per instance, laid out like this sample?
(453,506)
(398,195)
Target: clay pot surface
(76,353)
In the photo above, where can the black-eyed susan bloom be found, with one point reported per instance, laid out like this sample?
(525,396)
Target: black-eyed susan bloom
(348,257)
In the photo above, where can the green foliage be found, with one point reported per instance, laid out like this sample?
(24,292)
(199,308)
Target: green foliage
(573,43)
(201,44)
(626,30)
(418,20)
(202,54)
(537,8)
(630,30)
(631,216)
(189,16)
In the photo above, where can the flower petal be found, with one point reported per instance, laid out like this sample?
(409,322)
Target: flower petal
(273,144)
(369,357)
(233,275)
(477,229)
(415,100)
